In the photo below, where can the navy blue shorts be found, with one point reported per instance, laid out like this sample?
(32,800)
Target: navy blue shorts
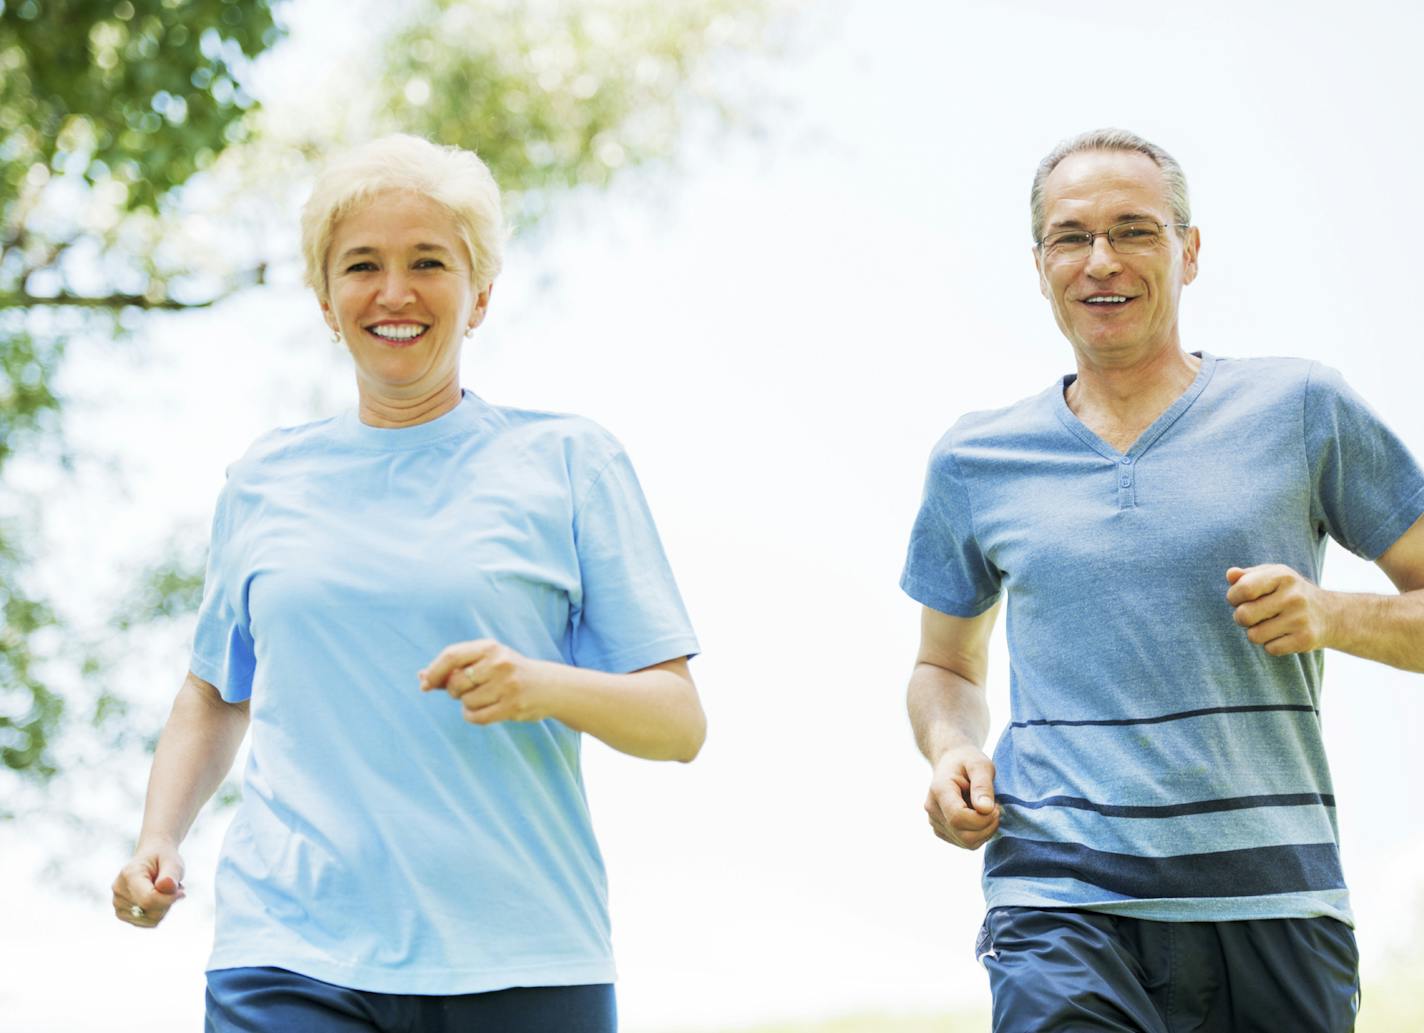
(1060,970)
(273,1000)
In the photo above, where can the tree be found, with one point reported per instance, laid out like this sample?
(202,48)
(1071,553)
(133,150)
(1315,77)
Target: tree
(96,134)
(97,141)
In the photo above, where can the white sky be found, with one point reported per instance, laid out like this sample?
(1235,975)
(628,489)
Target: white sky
(779,335)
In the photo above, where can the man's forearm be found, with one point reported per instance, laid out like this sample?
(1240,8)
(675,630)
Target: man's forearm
(194,755)
(1385,628)
(946,710)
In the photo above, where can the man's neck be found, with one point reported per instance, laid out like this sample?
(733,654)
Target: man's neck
(1119,402)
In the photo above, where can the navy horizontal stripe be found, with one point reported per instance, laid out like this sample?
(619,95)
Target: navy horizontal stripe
(1175,810)
(1255,708)
(1259,871)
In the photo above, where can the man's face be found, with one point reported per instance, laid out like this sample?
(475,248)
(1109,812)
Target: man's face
(1136,315)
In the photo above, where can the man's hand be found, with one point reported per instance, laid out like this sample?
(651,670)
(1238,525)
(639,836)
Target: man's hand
(152,882)
(491,681)
(1282,611)
(961,799)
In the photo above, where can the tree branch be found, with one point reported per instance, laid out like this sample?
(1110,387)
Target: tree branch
(67,299)
(109,301)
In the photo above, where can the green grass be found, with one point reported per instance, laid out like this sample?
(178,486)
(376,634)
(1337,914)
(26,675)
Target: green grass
(868,1023)
(1394,1004)
(962,1022)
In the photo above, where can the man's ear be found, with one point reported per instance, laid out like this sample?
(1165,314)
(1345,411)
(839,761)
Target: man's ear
(1038,265)
(1191,247)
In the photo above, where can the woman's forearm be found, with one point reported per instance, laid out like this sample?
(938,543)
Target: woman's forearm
(194,754)
(653,713)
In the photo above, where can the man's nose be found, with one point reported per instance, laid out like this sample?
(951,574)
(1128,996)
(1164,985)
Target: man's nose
(1103,261)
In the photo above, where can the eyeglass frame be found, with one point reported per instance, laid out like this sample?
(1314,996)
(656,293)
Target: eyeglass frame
(1093,236)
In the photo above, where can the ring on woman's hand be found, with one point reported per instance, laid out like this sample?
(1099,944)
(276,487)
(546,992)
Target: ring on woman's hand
(136,911)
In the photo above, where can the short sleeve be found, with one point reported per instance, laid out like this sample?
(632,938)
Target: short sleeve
(1366,487)
(222,645)
(946,569)
(631,615)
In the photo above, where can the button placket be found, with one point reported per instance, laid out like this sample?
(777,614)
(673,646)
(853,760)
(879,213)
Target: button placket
(1125,482)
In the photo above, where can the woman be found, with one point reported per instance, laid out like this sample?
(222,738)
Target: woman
(418,606)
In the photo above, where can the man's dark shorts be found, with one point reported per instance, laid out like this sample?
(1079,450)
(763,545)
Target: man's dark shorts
(1065,971)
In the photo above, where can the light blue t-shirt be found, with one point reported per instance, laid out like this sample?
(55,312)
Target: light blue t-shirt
(1158,764)
(382,842)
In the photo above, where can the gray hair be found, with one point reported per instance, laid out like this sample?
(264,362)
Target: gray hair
(450,176)
(1112,140)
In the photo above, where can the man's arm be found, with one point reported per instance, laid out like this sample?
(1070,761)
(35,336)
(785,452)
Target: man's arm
(950,716)
(1284,612)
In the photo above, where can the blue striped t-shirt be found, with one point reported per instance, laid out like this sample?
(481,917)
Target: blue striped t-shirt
(1157,763)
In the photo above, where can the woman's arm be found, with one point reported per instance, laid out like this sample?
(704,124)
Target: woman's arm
(652,713)
(194,754)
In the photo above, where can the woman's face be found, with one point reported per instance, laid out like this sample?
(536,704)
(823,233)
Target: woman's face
(400,295)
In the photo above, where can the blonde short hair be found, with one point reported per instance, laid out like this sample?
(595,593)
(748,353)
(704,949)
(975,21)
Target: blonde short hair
(450,176)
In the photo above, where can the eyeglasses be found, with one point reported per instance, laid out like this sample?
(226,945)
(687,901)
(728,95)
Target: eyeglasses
(1138,237)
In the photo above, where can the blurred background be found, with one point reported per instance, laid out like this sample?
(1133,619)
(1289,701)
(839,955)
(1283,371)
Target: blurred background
(777,247)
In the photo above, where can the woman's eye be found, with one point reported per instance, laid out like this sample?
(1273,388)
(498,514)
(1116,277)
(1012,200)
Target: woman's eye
(430,263)
(360,267)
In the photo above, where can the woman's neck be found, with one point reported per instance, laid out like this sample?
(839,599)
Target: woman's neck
(381,409)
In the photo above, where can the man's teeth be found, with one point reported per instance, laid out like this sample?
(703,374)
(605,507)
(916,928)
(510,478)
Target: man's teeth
(1103,299)
(401,332)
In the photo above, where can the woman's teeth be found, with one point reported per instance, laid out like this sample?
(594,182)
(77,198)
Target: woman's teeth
(398,332)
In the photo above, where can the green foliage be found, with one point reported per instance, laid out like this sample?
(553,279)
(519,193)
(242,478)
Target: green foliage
(556,95)
(31,711)
(28,404)
(140,95)
(172,587)
(105,110)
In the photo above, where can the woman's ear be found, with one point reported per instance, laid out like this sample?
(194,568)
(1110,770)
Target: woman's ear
(481,306)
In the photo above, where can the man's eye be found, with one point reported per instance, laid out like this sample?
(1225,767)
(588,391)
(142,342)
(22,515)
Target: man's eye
(1136,232)
(1069,240)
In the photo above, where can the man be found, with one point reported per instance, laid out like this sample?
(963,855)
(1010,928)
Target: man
(1162,845)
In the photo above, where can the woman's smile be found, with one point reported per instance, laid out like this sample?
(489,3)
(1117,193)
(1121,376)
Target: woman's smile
(398,335)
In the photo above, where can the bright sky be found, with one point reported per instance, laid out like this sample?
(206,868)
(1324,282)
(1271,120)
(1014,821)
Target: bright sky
(778,335)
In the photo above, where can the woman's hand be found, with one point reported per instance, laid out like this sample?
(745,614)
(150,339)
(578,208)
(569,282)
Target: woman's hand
(492,682)
(150,884)
(194,754)
(653,712)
